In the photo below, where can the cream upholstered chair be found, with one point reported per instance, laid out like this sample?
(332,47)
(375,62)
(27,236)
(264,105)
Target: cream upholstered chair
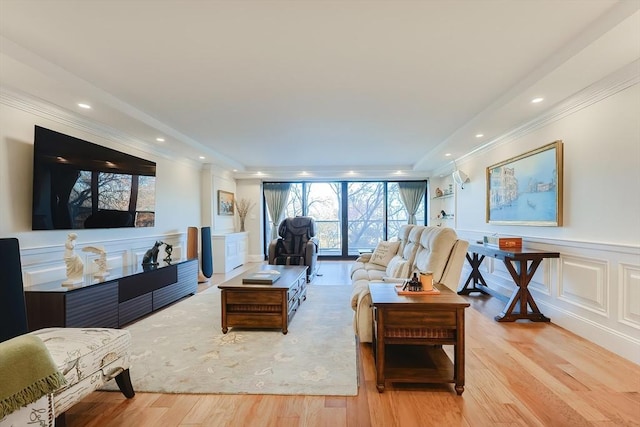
(86,357)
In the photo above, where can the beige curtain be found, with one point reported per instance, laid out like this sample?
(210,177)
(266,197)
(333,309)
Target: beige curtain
(276,195)
(411,194)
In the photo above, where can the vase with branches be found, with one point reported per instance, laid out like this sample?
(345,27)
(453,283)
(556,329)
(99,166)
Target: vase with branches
(243,206)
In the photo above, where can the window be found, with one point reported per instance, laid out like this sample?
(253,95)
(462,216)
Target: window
(365,212)
(365,215)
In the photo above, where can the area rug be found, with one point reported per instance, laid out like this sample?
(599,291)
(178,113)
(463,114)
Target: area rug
(182,349)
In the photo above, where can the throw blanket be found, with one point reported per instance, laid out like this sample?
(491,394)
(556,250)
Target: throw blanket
(27,373)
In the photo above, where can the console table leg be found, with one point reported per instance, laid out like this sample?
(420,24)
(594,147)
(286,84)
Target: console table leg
(521,296)
(475,276)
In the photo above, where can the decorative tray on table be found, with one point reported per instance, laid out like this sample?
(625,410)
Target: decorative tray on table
(400,291)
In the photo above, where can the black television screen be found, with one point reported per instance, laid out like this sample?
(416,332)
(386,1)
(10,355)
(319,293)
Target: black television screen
(78,184)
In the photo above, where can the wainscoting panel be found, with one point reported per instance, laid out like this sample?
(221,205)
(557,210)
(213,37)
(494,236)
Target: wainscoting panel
(46,264)
(592,290)
(629,300)
(43,273)
(584,283)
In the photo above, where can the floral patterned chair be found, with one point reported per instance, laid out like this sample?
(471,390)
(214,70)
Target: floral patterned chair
(47,371)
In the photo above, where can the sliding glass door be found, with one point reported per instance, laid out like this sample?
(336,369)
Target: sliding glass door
(351,217)
(365,215)
(324,205)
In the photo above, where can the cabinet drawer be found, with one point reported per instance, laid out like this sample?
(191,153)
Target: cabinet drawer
(250,297)
(420,318)
(292,294)
(95,306)
(134,308)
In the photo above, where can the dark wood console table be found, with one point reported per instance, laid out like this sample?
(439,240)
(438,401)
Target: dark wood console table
(122,297)
(522,265)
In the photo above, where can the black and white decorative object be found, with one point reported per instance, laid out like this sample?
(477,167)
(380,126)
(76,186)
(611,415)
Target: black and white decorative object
(151,256)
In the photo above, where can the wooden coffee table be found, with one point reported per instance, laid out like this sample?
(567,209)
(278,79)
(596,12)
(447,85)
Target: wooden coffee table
(409,332)
(263,306)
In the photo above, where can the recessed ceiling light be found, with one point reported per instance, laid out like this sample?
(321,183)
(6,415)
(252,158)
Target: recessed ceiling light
(202,157)
(259,173)
(235,170)
(160,139)
(479,135)
(304,173)
(447,155)
(537,100)
(83,105)
(399,172)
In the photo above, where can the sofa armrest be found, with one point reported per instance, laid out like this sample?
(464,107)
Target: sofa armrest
(364,258)
(272,251)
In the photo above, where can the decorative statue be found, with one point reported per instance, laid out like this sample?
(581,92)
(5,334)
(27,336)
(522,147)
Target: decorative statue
(439,192)
(168,249)
(75,266)
(151,256)
(101,261)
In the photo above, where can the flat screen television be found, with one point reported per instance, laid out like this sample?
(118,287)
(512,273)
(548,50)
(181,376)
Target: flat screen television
(78,184)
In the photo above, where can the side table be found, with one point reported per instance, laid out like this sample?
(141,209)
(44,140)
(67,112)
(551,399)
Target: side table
(409,332)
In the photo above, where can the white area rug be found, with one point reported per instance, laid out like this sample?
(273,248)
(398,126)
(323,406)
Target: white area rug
(182,349)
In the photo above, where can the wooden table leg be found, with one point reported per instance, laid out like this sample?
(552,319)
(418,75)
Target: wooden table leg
(474,277)
(458,361)
(223,309)
(379,354)
(521,296)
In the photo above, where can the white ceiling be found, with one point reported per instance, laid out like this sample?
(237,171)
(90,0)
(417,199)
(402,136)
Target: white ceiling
(316,86)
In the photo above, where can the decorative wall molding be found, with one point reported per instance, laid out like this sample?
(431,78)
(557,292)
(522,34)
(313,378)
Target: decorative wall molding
(584,283)
(616,82)
(46,264)
(594,293)
(629,295)
(41,108)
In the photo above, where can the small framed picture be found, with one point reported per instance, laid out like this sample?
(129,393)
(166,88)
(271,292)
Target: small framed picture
(225,203)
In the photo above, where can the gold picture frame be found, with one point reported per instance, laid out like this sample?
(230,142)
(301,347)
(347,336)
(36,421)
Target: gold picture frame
(226,204)
(527,189)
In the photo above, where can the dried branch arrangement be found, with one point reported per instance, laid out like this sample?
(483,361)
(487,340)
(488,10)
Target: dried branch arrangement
(243,206)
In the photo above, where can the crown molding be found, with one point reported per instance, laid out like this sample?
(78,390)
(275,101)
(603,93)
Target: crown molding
(614,83)
(41,108)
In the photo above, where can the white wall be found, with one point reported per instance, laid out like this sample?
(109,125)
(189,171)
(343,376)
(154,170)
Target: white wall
(251,189)
(594,288)
(177,199)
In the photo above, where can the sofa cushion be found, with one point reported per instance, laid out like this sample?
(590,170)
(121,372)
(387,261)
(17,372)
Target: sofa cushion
(434,250)
(384,252)
(397,267)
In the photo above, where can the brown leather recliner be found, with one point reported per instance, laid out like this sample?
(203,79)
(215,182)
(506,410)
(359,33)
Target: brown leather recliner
(297,244)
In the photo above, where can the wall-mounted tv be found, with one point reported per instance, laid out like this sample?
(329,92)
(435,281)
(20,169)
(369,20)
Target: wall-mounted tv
(78,184)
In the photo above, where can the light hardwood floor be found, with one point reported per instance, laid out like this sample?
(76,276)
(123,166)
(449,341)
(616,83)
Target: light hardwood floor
(517,374)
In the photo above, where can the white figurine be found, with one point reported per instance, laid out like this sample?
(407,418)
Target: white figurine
(75,266)
(101,261)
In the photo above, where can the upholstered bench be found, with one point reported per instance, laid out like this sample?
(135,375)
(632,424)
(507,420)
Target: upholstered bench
(45,372)
(87,358)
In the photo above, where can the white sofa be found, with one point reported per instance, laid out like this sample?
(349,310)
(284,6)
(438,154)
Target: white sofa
(419,248)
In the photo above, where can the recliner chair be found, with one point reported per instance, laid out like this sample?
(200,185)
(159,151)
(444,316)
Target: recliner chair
(297,244)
